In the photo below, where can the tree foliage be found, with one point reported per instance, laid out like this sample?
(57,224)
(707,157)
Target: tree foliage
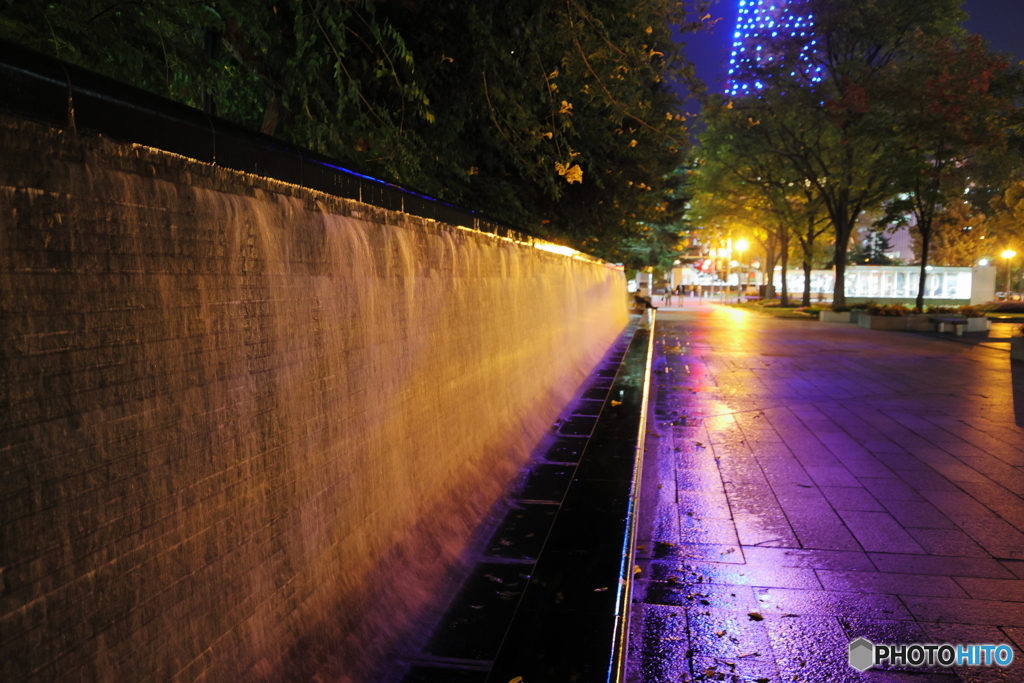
(952,112)
(556,115)
(840,135)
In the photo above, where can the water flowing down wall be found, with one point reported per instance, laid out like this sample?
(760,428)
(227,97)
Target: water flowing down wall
(246,427)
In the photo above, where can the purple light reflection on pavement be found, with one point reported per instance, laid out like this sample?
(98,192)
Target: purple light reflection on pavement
(807,484)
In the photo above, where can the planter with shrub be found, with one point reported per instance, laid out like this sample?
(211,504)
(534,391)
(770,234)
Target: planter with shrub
(889,317)
(839,314)
(1017,346)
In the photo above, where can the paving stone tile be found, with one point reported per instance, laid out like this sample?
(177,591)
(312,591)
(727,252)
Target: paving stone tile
(742,668)
(732,554)
(873,468)
(962,634)
(821,529)
(883,630)
(728,634)
(658,644)
(957,504)
(851,498)
(882,446)
(750,497)
(995,535)
(751,575)
(784,471)
(996,470)
(889,489)
(991,494)
(693,529)
(931,480)
(940,566)
(795,639)
(843,446)
(1016,634)
(910,513)
(893,584)
(965,611)
(1011,590)
(902,463)
(879,532)
(951,542)
(664,524)
(956,471)
(704,504)
(830,602)
(766,528)
(666,587)
(772,449)
(832,476)
(1016,567)
(801,498)
(812,559)
(698,479)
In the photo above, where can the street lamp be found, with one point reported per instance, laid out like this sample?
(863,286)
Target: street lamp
(1008,254)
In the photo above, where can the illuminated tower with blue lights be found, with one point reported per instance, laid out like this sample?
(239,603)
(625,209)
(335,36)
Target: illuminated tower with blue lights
(767,31)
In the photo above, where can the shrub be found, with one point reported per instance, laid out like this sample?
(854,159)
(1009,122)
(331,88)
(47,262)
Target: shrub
(971,312)
(842,309)
(859,306)
(943,310)
(891,310)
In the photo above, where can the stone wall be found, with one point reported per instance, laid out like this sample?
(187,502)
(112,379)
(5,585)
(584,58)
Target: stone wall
(245,427)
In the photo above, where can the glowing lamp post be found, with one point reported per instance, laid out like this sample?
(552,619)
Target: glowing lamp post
(1008,254)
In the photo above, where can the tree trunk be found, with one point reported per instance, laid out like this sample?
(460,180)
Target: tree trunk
(272,113)
(842,243)
(784,255)
(808,248)
(926,239)
(771,257)
(805,300)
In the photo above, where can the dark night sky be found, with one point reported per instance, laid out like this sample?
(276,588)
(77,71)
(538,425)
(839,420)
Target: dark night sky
(1001,22)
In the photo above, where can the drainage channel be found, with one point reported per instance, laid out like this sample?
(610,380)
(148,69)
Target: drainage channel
(548,596)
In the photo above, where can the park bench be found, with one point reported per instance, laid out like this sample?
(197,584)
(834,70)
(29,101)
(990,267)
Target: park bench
(958,323)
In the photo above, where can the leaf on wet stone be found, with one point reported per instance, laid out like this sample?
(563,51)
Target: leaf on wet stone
(755,616)
(517,679)
(720,633)
(601,590)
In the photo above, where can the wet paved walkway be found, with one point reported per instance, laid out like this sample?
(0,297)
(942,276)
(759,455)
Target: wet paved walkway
(806,484)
